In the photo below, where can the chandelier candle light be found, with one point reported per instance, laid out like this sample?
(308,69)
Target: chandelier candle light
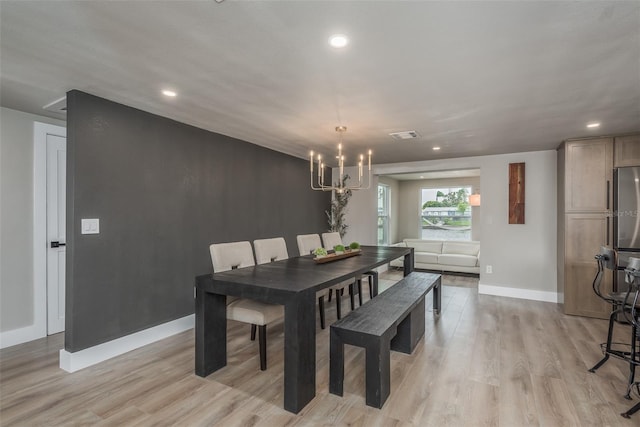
(341,187)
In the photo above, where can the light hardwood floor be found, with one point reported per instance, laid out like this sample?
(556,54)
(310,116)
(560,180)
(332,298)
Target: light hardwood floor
(484,361)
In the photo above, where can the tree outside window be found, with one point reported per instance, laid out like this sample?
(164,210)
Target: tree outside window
(446,213)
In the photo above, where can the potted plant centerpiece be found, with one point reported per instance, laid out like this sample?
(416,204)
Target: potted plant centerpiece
(320,252)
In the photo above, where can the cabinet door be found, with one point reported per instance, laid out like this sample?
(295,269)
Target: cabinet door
(589,175)
(627,151)
(585,233)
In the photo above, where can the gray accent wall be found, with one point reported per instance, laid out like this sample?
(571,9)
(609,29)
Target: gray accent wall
(163,192)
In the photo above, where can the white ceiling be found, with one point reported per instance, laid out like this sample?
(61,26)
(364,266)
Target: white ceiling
(473,78)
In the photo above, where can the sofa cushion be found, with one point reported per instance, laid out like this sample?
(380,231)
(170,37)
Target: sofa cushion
(425,257)
(461,248)
(432,246)
(457,259)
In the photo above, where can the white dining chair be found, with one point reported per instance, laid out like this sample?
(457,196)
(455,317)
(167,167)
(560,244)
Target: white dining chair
(331,240)
(307,243)
(230,256)
(269,250)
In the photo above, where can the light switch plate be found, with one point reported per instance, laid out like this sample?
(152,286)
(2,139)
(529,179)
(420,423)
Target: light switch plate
(90,226)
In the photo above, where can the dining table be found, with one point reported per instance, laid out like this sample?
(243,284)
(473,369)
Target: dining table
(293,283)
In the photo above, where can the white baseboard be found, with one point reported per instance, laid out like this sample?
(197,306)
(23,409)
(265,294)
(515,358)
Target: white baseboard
(72,362)
(503,291)
(21,335)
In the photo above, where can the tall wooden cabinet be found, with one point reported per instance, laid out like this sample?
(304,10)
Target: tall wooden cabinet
(585,183)
(627,151)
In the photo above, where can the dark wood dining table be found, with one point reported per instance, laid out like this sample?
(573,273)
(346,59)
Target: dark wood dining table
(293,283)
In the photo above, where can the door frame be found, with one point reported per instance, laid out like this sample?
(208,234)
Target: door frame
(40,132)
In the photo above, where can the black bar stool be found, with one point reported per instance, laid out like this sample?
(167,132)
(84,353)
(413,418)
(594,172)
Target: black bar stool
(632,276)
(624,305)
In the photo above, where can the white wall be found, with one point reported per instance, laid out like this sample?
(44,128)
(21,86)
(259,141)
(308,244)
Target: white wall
(523,257)
(16,218)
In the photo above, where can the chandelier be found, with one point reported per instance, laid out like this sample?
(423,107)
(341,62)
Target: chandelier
(341,187)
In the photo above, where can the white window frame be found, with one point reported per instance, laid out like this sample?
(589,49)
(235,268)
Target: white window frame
(386,215)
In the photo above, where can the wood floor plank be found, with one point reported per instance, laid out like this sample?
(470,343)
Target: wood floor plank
(554,402)
(485,360)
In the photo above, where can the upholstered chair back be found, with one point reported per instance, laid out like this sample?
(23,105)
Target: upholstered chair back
(227,256)
(331,239)
(268,250)
(307,243)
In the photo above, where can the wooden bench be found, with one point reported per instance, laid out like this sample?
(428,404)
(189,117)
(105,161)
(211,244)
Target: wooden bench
(393,320)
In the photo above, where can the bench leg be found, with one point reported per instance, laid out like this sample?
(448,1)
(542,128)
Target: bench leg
(336,363)
(378,375)
(410,330)
(437,297)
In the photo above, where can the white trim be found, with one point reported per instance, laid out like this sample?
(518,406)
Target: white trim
(530,294)
(20,335)
(40,132)
(72,362)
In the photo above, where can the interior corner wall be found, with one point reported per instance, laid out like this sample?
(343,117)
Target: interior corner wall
(16,218)
(163,192)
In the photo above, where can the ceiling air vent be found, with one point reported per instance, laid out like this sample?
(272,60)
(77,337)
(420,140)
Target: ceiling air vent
(57,106)
(407,134)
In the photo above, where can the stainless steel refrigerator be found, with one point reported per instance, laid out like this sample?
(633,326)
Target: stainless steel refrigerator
(626,223)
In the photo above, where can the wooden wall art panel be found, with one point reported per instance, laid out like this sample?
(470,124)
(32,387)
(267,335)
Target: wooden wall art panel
(516,193)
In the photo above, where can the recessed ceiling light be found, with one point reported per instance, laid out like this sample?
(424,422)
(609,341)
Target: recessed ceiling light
(338,40)
(170,93)
(593,125)
(436,148)
(421,176)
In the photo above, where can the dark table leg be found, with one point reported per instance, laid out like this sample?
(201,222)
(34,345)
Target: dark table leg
(374,287)
(437,296)
(336,363)
(211,332)
(299,352)
(408,263)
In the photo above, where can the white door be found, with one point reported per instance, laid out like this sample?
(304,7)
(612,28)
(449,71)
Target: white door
(56,231)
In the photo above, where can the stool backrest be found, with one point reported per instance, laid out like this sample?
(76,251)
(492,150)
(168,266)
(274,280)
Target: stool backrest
(606,260)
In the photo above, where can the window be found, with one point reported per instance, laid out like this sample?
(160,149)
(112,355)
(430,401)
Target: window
(446,213)
(383,214)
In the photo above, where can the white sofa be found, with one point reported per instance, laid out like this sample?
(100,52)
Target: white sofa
(443,255)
